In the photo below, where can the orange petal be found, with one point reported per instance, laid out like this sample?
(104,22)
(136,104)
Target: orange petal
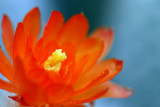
(79,68)
(32,71)
(114,66)
(19,41)
(41,52)
(20,100)
(32,23)
(29,45)
(30,92)
(38,48)
(58,93)
(92,47)
(7,86)
(89,96)
(8,35)
(60,86)
(107,35)
(53,26)
(117,91)
(38,76)
(20,80)
(47,51)
(35,70)
(6,68)
(94,82)
(68,65)
(74,30)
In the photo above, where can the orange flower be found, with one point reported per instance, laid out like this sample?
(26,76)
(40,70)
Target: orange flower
(63,67)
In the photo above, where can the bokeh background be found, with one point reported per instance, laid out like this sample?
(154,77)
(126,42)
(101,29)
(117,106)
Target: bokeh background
(136,24)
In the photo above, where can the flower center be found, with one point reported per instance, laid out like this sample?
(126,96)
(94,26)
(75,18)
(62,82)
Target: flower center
(54,62)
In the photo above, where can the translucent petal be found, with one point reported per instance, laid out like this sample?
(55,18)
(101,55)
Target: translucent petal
(107,35)
(8,35)
(117,91)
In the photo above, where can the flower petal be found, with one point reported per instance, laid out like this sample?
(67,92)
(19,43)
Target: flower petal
(67,68)
(8,35)
(20,100)
(31,92)
(32,23)
(89,96)
(7,86)
(6,68)
(107,36)
(58,93)
(53,26)
(47,51)
(74,30)
(90,50)
(114,66)
(19,41)
(94,82)
(92,47)
(78,68)
(32,71)
(117,91)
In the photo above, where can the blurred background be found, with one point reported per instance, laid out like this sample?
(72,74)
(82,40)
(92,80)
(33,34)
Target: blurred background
(136,25)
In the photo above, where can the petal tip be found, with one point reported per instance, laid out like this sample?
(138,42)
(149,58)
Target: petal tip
(129,91)
(4,19)
(19,24)
(82,13)
(119,64)
(35,9)
(81,17)
(34,12)
(109,31)
(56,14)
(5,16)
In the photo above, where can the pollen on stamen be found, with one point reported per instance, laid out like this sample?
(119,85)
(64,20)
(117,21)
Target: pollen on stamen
(54,62)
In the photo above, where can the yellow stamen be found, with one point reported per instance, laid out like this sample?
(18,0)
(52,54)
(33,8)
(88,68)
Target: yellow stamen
(54,62)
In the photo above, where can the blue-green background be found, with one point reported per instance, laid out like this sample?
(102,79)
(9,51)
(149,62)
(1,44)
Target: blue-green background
(137,40)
